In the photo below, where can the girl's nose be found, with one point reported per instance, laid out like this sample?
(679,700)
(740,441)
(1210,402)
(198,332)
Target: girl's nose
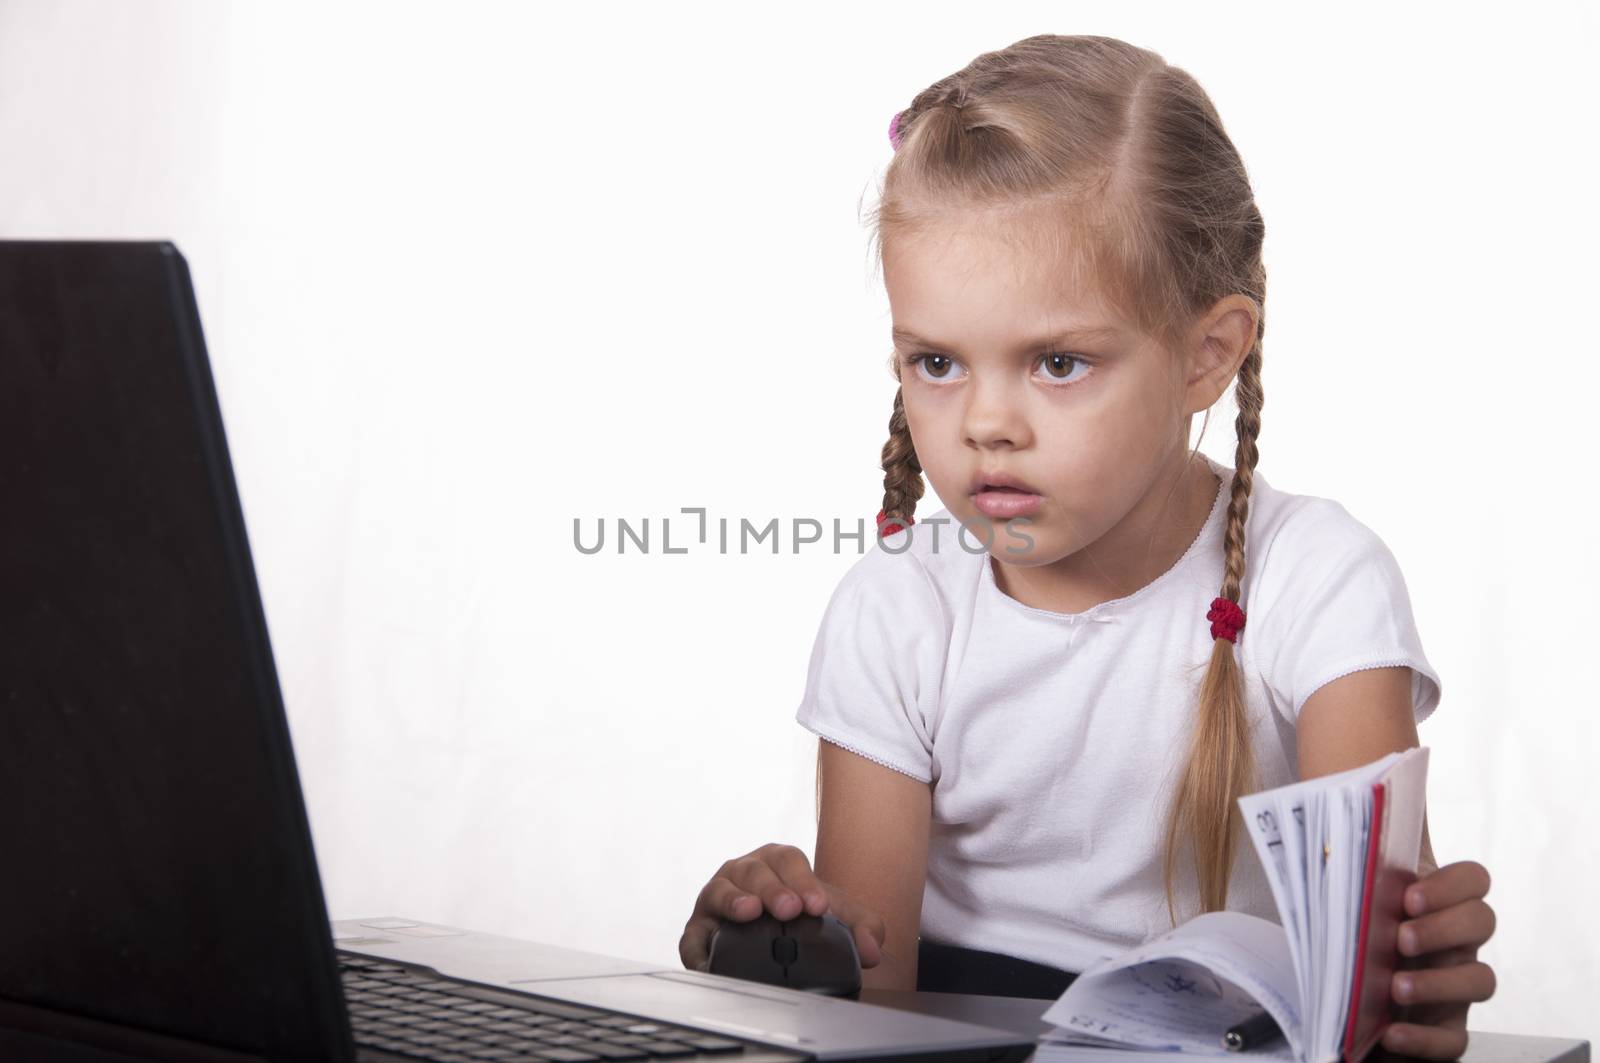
(995,417)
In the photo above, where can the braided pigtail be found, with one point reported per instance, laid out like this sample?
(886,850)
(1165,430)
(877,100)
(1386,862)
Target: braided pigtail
(1221,765)
(902,473)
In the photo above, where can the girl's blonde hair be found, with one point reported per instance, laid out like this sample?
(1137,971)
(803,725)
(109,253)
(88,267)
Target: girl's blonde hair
(1129,153)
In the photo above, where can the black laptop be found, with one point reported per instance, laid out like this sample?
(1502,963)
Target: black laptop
(160,892)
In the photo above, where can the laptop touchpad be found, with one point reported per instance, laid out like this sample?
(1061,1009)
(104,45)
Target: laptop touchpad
(755,1012)
(764,1013)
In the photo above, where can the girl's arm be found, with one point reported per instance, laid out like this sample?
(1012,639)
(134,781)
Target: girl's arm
(873,828)
(1354,720)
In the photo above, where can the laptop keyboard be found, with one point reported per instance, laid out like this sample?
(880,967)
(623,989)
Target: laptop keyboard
(409,1012)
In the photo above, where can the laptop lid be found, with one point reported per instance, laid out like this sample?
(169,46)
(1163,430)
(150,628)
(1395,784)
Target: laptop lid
(148,790)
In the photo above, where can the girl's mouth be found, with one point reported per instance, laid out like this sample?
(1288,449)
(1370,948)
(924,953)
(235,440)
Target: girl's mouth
(1003,503)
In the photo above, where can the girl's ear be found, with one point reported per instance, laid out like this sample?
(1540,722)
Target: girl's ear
(893,365)
(1222,339)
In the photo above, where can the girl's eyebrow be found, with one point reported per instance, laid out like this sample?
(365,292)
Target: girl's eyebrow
(1055,339)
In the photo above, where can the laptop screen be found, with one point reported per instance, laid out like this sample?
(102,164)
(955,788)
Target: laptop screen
(158,864)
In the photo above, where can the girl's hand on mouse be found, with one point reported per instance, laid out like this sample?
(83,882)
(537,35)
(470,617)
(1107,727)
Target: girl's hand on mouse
(775,878)
(1447,920)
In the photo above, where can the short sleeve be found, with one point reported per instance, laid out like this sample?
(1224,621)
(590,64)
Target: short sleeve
(877,662)
(1334,602)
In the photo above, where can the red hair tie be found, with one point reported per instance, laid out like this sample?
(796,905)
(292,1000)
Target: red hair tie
(892,527)
(1226,619)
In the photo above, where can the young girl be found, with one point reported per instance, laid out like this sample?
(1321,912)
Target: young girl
(1039,704)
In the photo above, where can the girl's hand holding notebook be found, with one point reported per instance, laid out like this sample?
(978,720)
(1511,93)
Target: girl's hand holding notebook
(1340,853)
(1448,921)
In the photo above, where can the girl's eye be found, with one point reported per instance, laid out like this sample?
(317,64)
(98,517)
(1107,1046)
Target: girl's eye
(1058,367)
(936,368)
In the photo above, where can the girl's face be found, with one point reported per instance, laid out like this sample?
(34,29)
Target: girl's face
(1006,368)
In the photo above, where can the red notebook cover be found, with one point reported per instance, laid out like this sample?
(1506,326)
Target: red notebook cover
(1392,849)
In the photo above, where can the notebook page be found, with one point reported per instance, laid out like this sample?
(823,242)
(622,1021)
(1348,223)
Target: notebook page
(1181,990)
(1318,847)
(1340,931)
(1359,801)
(1265,818)
(1294,845)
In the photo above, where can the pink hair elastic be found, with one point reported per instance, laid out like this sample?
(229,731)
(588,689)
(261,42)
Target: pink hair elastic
(892,527)
(1227,619)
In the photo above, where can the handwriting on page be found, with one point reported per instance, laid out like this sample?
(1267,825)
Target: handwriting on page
(1167,1004)
(1183,988)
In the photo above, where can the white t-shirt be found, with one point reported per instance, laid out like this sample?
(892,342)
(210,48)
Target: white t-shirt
(1053,740)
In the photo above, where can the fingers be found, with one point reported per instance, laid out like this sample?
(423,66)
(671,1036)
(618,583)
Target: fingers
(758,888)
(1464,880)
(694,947)
(866,926)
(1466,924)
(869,941)
(801,889)
(1441,958)
(1463,984)
(751,884)
(725,898)
(720,898)
(1425,1042)
(775,878)
(778,879)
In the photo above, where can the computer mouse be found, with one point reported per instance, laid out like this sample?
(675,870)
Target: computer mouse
(815,953)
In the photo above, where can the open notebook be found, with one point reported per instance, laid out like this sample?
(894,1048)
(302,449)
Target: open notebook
(1339,851)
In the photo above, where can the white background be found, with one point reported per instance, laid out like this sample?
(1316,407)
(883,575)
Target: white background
(470,271)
